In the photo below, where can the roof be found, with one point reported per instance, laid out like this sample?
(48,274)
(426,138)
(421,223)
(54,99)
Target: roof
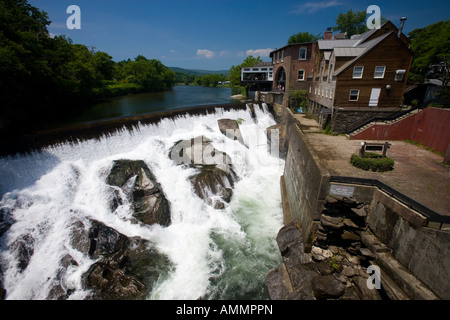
(348,52)
(291,44)
(330,44)
(365,48)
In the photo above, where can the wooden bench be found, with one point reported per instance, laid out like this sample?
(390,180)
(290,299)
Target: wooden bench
(374,146)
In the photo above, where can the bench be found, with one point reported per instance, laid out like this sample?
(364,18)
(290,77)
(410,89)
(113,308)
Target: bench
(374,146)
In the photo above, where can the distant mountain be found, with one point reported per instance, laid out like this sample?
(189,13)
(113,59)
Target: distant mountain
(198,72)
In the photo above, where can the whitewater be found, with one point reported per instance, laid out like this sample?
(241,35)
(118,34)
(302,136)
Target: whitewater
(215,253)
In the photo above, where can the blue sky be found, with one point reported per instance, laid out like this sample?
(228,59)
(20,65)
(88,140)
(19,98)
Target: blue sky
(213,34)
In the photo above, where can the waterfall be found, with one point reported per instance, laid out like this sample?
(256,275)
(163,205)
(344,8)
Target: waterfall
(216,253)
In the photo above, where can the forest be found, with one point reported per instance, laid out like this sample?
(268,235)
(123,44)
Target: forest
(44,76)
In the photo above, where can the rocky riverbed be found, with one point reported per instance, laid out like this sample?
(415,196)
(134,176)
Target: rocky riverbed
(336,267)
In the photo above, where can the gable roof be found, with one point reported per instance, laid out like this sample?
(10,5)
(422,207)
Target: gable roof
(368,46)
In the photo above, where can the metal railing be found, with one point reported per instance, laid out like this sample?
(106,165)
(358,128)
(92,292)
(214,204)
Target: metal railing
(430,214)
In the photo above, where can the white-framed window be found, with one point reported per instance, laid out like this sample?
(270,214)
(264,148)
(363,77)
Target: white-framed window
(399,74)
(358,72)
(323,92)
(302,54)
(309,89)
(331,93)
(282,56)
(315,90)
(379,72)
(354,95)
(301,75)
(326,94)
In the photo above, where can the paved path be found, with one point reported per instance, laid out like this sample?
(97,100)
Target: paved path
(418,173)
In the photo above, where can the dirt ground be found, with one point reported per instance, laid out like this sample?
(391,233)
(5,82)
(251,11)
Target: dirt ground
(418,173)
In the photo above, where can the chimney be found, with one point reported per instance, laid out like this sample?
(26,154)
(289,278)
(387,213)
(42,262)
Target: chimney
(402,23)
(328,35)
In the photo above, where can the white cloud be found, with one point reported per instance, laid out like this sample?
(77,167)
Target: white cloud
(207,53)
(259,52)
(311,7)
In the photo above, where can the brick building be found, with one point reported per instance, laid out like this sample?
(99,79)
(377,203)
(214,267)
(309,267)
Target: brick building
(293,65)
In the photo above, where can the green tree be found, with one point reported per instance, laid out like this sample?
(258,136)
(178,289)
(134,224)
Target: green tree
(303,37)
(235,71)
(431,47)
(351,22)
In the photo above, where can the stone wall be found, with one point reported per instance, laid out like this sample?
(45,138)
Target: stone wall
(344,120)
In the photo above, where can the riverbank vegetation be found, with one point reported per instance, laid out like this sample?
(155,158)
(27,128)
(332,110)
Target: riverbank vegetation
(44,76)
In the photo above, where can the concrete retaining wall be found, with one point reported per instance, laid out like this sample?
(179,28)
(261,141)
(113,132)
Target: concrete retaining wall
(306,182)
(422,251)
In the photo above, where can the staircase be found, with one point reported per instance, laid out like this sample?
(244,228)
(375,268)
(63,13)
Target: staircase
(386,121)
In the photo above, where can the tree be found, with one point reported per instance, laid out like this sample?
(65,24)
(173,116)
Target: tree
(351,22)
(303,37)
(235,71)
(431,47)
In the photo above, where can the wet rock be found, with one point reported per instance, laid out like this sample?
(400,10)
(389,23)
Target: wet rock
(139,185)
(326,287)
(290,243)
(5,220)
(126,268)
(363,290)
(214,180)
(24,249)
(2,288)
(230,128)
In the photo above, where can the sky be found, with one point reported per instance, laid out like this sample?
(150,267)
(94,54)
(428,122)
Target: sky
(213,34)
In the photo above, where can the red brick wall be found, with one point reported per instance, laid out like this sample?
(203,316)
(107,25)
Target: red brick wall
(431,127)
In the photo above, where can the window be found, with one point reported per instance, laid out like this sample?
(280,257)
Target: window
(358,72)
(302,54)
(379,72)
(301,75)
(326,94)
(309,89)
(315,90)
(331,72)
(331,93)
(354,95)
(399,75)
(282,56)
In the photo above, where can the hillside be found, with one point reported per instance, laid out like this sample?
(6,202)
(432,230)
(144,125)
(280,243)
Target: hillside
(198,72)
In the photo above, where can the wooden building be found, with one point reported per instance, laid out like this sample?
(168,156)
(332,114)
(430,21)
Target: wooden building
(360,78)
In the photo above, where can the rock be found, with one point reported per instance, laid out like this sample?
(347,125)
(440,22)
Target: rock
(367,253)
(320,254)
(326,287)
(2,288)
(278,283)
(363,290)
(230,128)
(350,294)
(126,268)
(276,136)
(5,220)
(331,222)
(350,235)
(348,272)
(215,178)
(301,276)
(360,212)
(324,268)
(23,248)
(141,188)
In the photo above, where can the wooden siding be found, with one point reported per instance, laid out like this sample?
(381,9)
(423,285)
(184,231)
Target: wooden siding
(392,54)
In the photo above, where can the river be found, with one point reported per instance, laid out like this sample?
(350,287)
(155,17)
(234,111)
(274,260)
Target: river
(178,97)
(216,253)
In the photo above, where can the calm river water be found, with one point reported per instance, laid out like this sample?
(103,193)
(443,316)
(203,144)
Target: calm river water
(178,97)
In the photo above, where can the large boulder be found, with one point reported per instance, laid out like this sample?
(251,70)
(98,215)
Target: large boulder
(125,267)
(214,178)
(230,128)
(139,185)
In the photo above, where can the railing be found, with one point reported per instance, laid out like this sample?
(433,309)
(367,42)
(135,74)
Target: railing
(386,118)
(431,215)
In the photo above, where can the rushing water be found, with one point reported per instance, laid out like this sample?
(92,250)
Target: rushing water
(216,253)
